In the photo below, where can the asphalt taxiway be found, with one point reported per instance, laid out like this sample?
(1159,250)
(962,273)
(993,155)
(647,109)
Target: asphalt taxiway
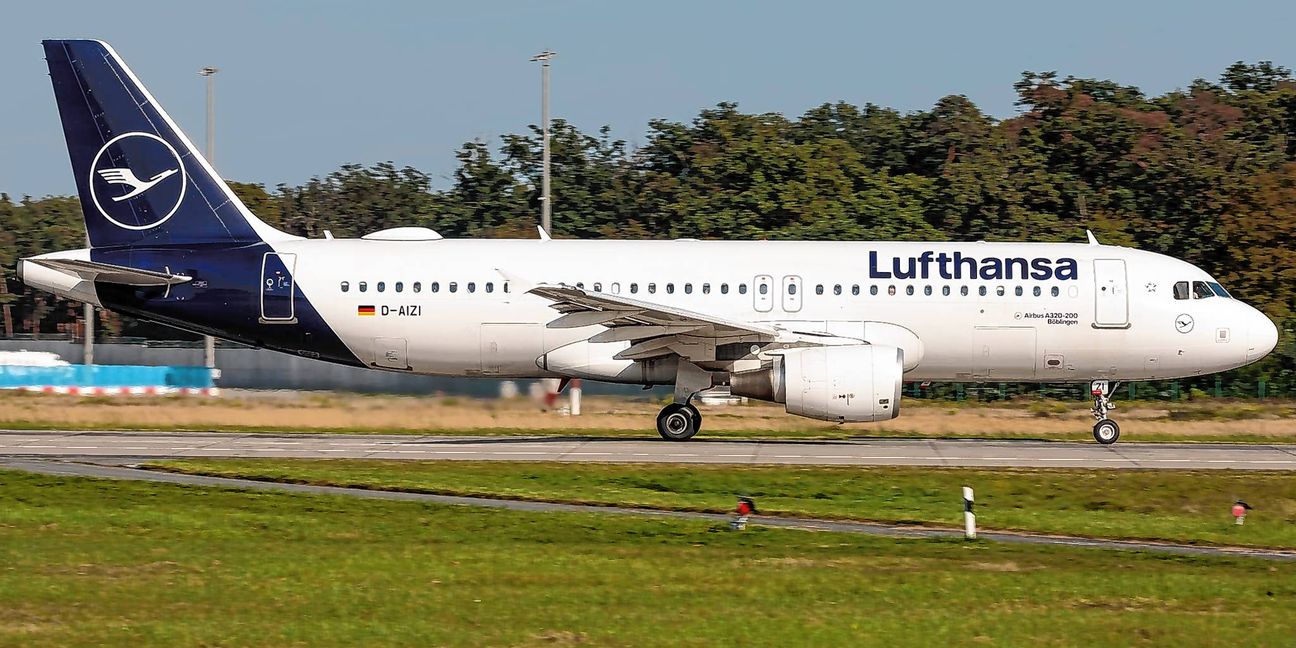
(93,445)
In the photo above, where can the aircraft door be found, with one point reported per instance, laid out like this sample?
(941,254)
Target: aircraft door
(391,353)
(277,289)
(1111,299)
(791,293)
(763,293)
(1003,353)
(510,349)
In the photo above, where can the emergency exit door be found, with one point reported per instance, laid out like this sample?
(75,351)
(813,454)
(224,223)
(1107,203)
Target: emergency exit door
(791,293)
(763,293)
(1111,297)
(277,289)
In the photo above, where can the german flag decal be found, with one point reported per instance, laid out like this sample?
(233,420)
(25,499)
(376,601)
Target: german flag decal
(365,311)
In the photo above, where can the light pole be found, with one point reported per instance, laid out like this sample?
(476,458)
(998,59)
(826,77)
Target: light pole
(209,342)
(545,207)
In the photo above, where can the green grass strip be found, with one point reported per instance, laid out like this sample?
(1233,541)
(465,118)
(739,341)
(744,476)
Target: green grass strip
(105,563)
(1179,506)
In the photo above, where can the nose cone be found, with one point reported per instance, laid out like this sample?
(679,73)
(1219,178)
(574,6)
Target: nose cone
(1262,336)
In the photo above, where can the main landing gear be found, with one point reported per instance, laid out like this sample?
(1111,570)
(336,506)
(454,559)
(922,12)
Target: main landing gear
(679,422)
(1105,431)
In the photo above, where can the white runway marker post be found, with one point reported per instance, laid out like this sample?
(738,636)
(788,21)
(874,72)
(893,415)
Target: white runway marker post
(969,518)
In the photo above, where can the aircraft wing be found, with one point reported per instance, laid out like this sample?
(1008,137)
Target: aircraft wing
(109,273)
(655,329)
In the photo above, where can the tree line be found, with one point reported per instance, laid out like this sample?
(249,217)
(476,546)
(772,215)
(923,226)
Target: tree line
(1205,173)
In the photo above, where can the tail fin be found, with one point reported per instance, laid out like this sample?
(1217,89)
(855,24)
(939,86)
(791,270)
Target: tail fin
(141,181)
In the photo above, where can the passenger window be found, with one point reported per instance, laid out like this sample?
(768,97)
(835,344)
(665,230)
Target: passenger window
(855,290)
(818,289)
(909,290)
(837,289)
(400,286)
(598,286)
(634,289)
(490,286)
(999,291)
(382,285)
(670,289)
(472,286)
(724,289)
(418,286)
(1036,291)
(1181,290)
(706,289)
(927,290)
(652,288)
(580,284)
(873,289)
(454,286)
(963,291)
(505,286)
(346,285)
(688,289)
(945,291)
(616,287)
(791,289)
(742,289)
(435,286)
(1201,290)
(1017,291)
(1054,291)
(364,286)
(764,288)
(891,290)
(981,291)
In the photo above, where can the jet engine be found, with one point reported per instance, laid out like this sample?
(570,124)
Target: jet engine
(838,383)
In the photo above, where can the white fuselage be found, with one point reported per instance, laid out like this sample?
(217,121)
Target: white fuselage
(1116,318)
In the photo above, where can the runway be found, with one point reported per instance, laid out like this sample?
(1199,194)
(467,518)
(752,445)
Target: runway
(863,452)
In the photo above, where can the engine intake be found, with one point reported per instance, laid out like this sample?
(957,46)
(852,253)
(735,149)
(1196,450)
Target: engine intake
(842,383)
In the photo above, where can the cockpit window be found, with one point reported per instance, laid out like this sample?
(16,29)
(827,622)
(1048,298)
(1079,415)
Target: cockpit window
(1181,290)
(1219,290)
(1201,290)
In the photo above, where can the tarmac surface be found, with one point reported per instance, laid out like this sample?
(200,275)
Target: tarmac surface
(98,471)
(57,444)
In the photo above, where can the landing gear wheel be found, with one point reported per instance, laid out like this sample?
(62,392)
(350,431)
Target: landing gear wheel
(1106,431)
(678,422)
(697,417)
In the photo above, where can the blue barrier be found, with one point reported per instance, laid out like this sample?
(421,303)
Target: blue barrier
(12,376)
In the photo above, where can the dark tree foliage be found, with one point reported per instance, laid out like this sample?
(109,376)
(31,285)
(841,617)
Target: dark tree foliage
(1206,173)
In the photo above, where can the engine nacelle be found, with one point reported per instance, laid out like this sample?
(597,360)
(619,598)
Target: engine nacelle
(841,383)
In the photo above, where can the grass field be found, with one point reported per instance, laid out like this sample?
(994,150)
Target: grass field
(1184,506)
(1202,420)
(102,563)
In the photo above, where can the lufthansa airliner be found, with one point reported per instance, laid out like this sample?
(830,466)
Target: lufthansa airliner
(830,329)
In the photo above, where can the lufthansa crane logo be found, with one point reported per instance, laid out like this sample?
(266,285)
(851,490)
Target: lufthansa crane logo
(137,181)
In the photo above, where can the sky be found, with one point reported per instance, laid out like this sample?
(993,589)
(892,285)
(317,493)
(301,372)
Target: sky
(305,87)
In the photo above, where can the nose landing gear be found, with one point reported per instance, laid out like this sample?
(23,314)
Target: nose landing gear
(1105,431)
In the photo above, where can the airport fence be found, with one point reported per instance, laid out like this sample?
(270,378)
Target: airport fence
(1155,390)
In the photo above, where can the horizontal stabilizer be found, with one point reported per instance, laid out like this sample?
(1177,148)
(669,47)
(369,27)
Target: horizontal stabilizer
(109,273)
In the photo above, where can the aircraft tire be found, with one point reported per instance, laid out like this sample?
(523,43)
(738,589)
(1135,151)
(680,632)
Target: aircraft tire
(678,422)
(1106,432)
(697,417)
